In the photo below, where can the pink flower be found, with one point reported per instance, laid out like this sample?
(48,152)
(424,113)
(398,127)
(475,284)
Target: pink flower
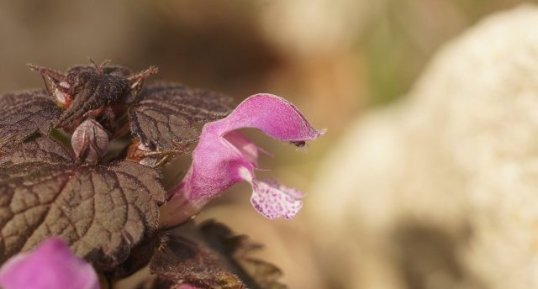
(50,266)
(224,157)
(187,286)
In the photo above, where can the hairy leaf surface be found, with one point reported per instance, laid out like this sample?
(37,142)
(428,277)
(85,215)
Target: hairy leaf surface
(210,256)
(169,117)
(254,272)
(23,114)
(101,211)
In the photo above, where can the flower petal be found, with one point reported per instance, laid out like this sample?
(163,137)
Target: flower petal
(50,266)
(245,147)
(223,157)
(222,151)
(273,115)
(187,286)
(274,200)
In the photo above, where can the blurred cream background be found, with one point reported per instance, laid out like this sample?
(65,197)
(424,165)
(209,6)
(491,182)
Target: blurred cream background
(422,183)
(439,189)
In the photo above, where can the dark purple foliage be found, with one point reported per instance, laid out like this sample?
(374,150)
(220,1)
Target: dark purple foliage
(81,160)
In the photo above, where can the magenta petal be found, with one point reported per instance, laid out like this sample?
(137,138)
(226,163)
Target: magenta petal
(50,266)
(246,148)
(273,115)
(187,286)
(274,201)
(224,156)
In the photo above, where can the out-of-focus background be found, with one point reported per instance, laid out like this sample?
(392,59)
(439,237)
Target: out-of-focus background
(393,199)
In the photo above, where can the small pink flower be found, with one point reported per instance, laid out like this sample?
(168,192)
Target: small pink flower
(224,157)
(187,286)
(50,266)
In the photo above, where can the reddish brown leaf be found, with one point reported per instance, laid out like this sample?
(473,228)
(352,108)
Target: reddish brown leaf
(101,211)
(211,256)
(169,117)
(23,114)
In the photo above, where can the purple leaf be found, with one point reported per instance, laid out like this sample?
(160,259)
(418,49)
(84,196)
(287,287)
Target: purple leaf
(87,90)
(49,266)
(92,91)
(169,117)
(210,256)
(101,211)
(23,114)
